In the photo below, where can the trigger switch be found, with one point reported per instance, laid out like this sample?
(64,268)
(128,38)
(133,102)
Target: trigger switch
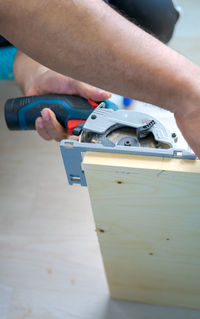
(77,131)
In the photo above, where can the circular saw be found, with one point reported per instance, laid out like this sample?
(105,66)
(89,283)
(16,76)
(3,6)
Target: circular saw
(115,127)
(100,127)
(112,130)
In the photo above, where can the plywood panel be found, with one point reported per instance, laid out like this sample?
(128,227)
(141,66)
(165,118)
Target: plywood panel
(147,215)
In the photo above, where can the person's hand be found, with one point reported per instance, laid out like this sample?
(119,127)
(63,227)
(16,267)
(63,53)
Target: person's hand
(35,79)
(47,81)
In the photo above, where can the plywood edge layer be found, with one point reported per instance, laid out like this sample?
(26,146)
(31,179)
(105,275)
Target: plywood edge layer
(143,162)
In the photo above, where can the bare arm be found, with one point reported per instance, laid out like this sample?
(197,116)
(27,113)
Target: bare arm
(89,41)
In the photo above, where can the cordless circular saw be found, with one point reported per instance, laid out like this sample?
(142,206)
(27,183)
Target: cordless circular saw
(100,127)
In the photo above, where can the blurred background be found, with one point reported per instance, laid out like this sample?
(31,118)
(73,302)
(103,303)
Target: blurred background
(50,263)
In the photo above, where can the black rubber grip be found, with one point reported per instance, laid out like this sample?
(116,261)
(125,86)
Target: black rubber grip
(21,113)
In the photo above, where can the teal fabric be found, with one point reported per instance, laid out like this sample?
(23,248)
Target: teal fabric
(7,56)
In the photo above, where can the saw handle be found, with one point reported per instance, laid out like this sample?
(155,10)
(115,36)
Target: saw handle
(21,113)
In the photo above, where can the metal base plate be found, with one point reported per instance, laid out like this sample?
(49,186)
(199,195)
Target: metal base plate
(72,152)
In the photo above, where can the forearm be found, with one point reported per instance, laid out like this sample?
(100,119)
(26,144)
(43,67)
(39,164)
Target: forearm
(89,41)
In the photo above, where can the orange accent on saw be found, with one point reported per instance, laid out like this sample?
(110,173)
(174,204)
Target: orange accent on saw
(72,124)
(93,103)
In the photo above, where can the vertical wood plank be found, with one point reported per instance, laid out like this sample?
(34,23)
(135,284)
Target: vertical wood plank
(147,215)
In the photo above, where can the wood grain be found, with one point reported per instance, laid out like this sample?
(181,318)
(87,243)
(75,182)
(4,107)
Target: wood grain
(147,215)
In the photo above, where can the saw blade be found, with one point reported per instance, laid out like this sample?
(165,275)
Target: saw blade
(126,136)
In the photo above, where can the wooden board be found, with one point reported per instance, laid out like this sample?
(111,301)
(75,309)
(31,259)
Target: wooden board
(147,215)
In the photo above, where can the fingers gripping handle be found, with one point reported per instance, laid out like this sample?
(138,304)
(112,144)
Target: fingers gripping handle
(21,113)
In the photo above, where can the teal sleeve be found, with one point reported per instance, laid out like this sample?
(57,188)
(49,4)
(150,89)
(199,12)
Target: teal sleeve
(7,56)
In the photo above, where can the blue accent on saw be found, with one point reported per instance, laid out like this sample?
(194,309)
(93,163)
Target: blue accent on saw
(111,105)
(72,113)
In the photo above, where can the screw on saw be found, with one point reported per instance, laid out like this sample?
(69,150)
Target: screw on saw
(127,143)
(175,137)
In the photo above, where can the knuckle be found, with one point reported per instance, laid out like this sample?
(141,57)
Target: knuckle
(44,135)
(47,138)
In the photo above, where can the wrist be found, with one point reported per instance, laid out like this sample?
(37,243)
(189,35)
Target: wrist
(26,72)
